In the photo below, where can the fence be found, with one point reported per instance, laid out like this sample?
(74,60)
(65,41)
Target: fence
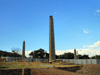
(77,61)
(2,61)
(15,61)
(82,61)
(9,59)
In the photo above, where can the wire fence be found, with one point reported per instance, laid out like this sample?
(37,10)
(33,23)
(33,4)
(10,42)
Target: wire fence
(4,62)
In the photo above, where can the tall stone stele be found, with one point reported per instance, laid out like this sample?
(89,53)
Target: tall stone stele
(23,48)
(75,54)
(51,40)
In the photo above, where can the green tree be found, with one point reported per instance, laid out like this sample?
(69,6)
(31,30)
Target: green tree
(16,50)
(68,55)
(31,54)
(40,53)
(80,56)
(85,57)
(96,57)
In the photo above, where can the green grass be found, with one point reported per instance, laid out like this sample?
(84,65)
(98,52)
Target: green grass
(48,67)
(12,65)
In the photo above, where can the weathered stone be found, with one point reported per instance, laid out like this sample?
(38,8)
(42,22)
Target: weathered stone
(51,40)
(75,54)
(23,52)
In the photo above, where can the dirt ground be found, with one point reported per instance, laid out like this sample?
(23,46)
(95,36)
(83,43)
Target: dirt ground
(52,71)
(40,70)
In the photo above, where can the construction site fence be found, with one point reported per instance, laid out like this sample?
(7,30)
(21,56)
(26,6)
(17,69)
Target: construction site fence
(10,59)
(82,61)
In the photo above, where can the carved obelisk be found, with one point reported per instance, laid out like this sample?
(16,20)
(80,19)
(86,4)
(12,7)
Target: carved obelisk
(51,40)
(23,52)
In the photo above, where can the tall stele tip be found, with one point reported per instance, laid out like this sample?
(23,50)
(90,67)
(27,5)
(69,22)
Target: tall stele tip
(51,16)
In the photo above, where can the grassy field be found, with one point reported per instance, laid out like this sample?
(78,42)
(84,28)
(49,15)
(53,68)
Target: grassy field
(17,65)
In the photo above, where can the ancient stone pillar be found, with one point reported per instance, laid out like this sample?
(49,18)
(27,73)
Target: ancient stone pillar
(51,40)
(77,55)
(74,53)
(23,52)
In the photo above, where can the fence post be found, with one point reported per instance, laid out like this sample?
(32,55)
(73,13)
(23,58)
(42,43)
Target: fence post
(96,61)
(22,71)
(81,61)
(5,62)
(32,59)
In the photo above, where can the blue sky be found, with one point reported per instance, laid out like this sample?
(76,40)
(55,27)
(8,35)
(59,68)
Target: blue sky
(76,25)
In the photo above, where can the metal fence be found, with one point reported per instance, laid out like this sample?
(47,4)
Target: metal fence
(82,61)
(77,61)
(9,59)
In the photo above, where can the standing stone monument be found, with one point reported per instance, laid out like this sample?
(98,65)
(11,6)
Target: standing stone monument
(51,40)
(77,55)
(74,53)
(23,52)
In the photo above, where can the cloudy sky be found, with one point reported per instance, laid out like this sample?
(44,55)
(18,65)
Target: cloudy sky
(76,25)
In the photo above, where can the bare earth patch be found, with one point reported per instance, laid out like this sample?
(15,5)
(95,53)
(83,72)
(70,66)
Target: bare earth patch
(52,71)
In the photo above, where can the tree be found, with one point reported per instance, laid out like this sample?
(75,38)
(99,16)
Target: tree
(83,57)
(1,54)
(96,57)
(9,54)
(40,53)
(80,56)
(16,50)
(31,54)
(68,55)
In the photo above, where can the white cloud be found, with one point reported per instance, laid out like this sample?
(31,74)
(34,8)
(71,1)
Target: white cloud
(97,13)
(97,44)
(58,52)
(90,52)
(86,30)
(55,12)
(98,10)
